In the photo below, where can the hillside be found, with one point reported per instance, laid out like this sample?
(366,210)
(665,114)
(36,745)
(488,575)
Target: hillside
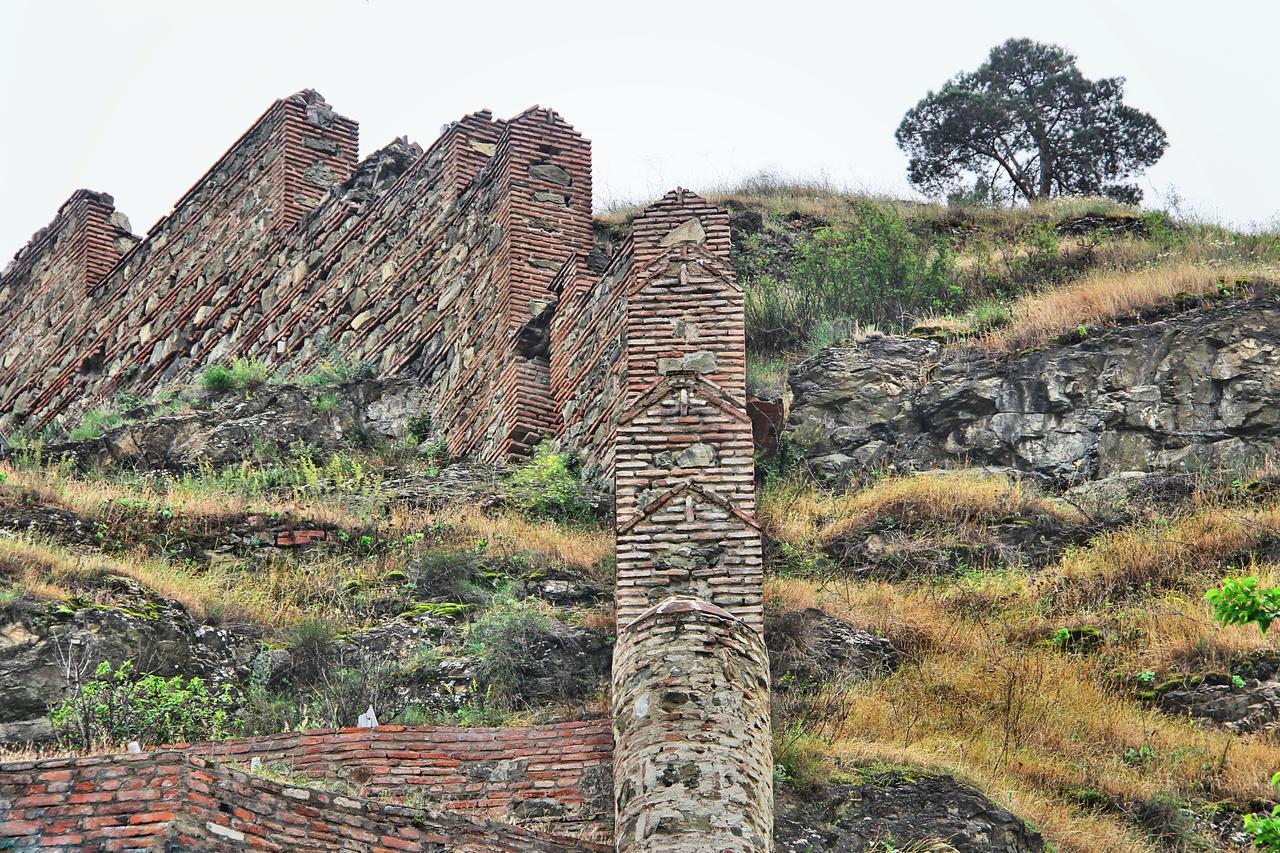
(1015,448)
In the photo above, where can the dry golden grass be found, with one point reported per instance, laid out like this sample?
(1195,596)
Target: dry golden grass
(507,534)
(798,513)
(50,571)
(1030,724)
(1192,549)
(983,694)
(203,508)
(1105,297)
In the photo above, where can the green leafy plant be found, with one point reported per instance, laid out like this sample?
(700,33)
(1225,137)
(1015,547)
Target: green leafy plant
(325,402)
(874,271)
(419,426)
(337,369)
(1265,831)
(93,424)
(117,706)
(243,374)
(1240,601)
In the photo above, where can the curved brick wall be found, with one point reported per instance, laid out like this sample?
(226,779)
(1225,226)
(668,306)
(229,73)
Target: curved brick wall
(693,764)
(174,801)
(554,777)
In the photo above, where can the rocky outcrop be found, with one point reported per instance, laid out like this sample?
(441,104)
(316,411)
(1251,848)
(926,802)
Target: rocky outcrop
(229,427)
(45,646)
(897,809)
(1187,391)
(1245,700)
(808,647)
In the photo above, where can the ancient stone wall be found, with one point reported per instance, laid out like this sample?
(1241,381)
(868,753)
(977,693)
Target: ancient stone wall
(553,777)
(48,284)
(435,264)
(468,266)
(171,800)
(156,312)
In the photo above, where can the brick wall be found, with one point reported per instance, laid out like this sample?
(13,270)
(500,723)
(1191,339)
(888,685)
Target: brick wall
(464,265)
(553,777)
(48,284)
(172,800)
(156,313)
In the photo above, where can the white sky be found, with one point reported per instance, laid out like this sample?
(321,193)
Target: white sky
(138,97)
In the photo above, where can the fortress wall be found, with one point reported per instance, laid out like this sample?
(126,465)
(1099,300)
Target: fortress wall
(588,350)
(47,285)
(554,777)
(435,264)
(171,800)
(156,311)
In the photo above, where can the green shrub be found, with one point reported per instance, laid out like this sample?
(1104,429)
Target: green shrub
(1265,831)
(419,426)
(325,402)
(337,369)
(243,374)
(117,706)
(549,486)
(216,377)
(873,272)
(515,647)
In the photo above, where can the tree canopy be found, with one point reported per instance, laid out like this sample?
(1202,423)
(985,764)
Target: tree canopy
(1027,124)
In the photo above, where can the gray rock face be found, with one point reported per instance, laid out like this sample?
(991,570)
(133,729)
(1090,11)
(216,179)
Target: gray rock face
(808,647)
(1244,703)
(41,643)
(899,810)
(1186,392)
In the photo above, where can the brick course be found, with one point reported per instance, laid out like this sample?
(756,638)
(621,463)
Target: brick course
(554,777)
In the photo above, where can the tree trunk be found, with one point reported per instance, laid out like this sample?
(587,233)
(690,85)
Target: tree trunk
(1046,170)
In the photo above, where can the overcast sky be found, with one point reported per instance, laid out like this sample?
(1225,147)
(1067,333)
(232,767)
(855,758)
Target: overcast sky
(139,98)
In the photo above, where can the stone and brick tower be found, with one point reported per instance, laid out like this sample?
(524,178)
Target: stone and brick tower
(651,367)
(469,265)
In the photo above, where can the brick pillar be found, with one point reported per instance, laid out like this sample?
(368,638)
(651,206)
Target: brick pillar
(693,766)
(547,219)
(683,465)
(44,290)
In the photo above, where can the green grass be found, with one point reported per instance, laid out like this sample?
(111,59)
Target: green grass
(243,374)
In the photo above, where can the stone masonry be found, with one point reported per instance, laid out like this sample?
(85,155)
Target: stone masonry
(468,267)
